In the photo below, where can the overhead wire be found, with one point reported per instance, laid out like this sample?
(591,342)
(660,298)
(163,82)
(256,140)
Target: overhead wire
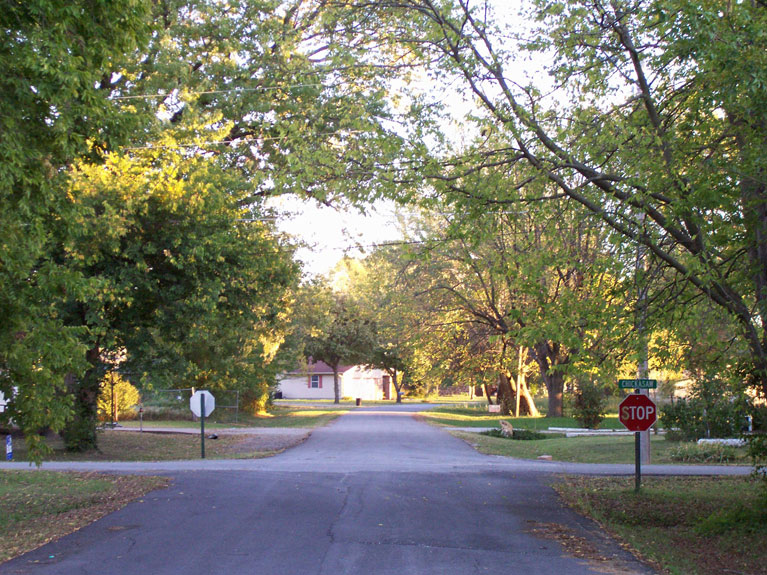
(253,139)
(225,91)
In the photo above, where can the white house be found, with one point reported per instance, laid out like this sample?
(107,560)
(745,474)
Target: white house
(315,381)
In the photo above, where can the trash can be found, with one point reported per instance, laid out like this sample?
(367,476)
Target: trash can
(359,401)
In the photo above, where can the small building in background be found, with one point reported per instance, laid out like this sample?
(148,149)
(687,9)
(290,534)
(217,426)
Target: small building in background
(315,381)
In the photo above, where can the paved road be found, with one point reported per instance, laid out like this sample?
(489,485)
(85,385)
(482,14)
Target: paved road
(376,492)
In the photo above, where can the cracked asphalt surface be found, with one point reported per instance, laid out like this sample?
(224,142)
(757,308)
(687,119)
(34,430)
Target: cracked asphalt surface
(375,492)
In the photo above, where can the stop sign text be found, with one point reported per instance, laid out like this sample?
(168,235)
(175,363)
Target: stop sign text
(637,412)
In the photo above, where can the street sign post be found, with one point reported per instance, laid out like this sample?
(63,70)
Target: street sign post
(202,404)
(638,383)
(637,413)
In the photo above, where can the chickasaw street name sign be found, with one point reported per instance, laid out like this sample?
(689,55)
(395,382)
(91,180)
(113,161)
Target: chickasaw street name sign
(638,383)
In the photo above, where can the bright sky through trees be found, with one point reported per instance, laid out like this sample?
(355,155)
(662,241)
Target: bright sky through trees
(330,233)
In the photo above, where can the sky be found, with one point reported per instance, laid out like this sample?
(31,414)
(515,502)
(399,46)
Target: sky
(330,233)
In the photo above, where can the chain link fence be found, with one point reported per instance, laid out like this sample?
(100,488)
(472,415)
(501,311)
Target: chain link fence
(173,405)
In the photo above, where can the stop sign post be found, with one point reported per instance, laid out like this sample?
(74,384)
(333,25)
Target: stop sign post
(637,413)
(202,403)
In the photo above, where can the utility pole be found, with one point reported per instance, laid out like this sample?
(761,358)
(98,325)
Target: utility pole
(643,367)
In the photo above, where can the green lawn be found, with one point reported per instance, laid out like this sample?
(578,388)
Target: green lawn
(39,506)
(477,416)
(589,449)
(683,525)
(279,416)
(128,446)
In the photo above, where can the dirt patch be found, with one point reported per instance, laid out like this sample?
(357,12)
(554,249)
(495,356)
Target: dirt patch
(574,545)
(271,443)
(39,506)
(580,547)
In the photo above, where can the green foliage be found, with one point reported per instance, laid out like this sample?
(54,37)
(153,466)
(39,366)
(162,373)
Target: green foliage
(117,398)
(705,453)
(181,277)
(713,409)
(519,434)
(334,329)
(589,404)
(56,57)
(158,252)
(757,451)
(639,90)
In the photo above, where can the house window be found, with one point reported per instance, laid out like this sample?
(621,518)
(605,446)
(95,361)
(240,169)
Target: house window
(315,381)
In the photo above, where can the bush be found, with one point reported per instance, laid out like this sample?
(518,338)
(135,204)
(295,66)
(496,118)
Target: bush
(706,453)
(714,409)
(757,451)
(125,398)
(589,405)
(519,434)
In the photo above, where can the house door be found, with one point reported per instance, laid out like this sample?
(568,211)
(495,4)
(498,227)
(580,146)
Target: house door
(386,384)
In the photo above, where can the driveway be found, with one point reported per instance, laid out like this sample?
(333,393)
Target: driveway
(375,492)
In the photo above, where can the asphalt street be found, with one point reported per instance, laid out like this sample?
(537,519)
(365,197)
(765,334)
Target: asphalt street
(376,492)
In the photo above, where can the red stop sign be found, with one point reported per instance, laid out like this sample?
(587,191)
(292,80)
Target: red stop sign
(637,412)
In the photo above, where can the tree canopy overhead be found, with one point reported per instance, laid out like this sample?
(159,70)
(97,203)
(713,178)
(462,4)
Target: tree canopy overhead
(139,140)
(656,125)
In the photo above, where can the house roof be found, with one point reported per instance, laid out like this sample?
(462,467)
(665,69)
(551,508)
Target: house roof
(318,367)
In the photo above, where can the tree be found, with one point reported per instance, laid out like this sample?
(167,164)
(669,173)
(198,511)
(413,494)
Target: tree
(375,285)
(337,332)
(658,131)
(180,279)
(541,280)
(260,89)
(54,55)
(117,398)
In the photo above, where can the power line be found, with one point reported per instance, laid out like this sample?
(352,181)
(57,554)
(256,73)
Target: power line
(226,91)
(253,139)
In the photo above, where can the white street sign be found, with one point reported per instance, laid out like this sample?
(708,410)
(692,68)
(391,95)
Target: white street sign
(196,401)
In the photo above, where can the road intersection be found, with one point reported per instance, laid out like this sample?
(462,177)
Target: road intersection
(375,492)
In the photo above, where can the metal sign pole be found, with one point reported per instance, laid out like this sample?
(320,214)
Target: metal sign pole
(637,461)
(202,424)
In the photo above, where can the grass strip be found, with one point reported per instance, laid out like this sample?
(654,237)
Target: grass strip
(479,417)
(134,446)
(39,506)
(279,416)
(684,525)
(586,449)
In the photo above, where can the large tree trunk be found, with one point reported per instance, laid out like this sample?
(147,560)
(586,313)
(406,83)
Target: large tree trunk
(395,382)
(555,384)
(486,388)
(80,432)
(547,355)
(526,403)
(506,397)
(754,200)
